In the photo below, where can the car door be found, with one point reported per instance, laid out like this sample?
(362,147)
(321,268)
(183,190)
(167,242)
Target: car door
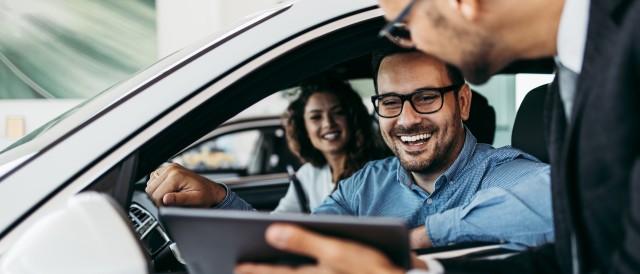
(164,109)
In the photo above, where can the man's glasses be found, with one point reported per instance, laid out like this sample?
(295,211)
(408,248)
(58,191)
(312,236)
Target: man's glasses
(396,31)
(423,101)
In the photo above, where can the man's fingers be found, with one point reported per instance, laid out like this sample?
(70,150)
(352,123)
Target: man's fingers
(251,268)
(155,179)
(188,198)
(417,262)
(294,239)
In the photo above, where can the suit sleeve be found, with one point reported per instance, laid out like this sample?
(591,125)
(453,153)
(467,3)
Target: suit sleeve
(626,259)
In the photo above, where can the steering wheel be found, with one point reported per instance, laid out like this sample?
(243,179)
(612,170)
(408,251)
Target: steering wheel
(143,215)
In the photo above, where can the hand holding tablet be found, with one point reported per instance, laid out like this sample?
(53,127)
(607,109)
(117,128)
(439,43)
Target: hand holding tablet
(214,241)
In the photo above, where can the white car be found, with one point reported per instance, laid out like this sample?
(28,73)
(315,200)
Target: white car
(54,214)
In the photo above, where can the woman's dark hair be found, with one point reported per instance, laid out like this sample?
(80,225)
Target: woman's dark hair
(363,144)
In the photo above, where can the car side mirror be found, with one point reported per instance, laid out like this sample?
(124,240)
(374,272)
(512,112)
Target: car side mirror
(90,234)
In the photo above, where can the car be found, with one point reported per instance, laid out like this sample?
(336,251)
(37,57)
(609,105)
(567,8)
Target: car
(72,192)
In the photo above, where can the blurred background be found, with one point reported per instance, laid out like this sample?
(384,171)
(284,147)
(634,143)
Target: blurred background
(56,53)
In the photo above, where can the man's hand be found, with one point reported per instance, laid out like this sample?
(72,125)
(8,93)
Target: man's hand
(174,185)
(418,238)
(332,255)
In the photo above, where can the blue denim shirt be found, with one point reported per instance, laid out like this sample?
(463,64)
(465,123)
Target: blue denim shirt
(488,194)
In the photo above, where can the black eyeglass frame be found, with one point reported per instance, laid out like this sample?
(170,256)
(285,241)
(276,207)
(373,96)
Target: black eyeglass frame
(397,25)
(407,97)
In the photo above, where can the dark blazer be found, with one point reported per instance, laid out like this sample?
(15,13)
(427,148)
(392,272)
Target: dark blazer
(595,158)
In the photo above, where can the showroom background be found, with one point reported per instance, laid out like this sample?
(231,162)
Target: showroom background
(56,53)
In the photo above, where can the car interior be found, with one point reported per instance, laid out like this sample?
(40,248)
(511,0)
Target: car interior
(346,52)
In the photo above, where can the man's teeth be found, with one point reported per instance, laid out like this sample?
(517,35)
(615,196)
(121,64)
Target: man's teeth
(415,137)
(330,136)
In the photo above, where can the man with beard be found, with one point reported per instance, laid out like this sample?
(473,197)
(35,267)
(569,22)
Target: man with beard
(447,187)
(445,184)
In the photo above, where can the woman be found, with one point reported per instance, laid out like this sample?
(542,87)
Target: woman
(330,130)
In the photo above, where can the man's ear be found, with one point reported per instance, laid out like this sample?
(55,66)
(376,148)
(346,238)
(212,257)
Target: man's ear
(469,9)
(464,101)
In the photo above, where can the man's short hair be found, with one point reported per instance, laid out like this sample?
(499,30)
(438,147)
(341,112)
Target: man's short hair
(455,76)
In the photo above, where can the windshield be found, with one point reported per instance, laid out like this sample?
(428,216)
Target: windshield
(101,101)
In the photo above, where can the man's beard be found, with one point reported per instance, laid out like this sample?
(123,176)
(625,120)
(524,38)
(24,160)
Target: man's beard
(443,153)
(476,63)
(476,74)
(420,165)
(438,159)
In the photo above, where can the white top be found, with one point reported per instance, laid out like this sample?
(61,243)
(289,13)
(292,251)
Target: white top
(316,183)
(572,34)
(572,39)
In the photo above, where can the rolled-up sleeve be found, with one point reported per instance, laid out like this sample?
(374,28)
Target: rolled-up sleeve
(520,216)
(233,201)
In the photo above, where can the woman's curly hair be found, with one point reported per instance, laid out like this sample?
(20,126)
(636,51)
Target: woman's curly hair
(363,143)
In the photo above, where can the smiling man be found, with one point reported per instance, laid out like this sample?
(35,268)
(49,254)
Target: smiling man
(447,187)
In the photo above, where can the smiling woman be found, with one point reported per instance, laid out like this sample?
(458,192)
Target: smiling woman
(330,130)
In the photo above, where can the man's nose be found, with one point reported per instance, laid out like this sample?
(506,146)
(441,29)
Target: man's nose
(408,116)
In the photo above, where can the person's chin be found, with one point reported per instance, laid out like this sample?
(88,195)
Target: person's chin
(479,71)
(477,76)
(413,155)
(414,163)
(334,148)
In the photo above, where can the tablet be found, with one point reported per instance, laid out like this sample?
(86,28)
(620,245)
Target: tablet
(214,241)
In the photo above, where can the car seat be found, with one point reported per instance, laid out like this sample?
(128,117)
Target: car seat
(482,119)
(528,128)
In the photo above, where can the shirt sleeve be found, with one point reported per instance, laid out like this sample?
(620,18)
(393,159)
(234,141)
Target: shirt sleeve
(520,216)
(233,201)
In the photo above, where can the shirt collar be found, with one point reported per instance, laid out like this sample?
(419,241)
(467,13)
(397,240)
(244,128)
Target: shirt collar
(572,34)
(463,158)
(405,178)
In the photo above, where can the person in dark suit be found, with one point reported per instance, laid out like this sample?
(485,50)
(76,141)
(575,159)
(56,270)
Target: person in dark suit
(592,119)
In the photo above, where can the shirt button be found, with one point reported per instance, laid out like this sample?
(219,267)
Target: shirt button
(451,182)
(429,201)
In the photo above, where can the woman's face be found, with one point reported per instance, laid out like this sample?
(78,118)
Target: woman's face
(326,123)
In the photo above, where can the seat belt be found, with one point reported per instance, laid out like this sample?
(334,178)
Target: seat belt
(302,197)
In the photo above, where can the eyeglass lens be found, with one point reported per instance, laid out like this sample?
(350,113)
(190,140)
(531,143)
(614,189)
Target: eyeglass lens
(427,101)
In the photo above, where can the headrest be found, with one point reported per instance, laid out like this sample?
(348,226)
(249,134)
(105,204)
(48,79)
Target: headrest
(528,128)
(482,119)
